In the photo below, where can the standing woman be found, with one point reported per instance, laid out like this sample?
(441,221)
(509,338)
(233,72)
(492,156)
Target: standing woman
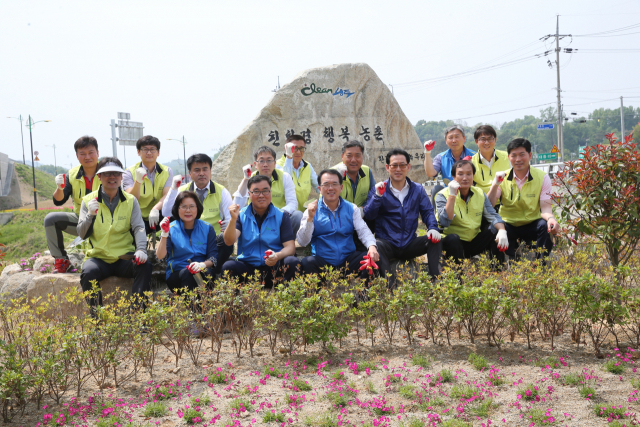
(188,243)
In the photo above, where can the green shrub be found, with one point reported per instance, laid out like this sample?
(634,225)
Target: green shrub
(155,410)
(165,393)
(572,379)
(239,403)
(271,417)
(609,410)
(635,383)
(587,392)
(421,360)
(340,399)
(192,416)
(478,361)
(367,365)
(483,408)
(407,391)
(446,376)
(113,420)
(462,391)
(552,361)
(328,420)
(411,422)
(301,385)
(540,417)
(202,400)
(529,392)
(614,366)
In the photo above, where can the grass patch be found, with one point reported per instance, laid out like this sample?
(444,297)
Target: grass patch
(551,361)
(202,400)
(478,361)
(312,362)
(540,417)
(382,411)
(45,183)
(218,378)
(155,410)
(370,387)
(412,422)
(446,376)
(273,371)
(165,393)
(339,375)
(635,383)
(614,366)
(421,360)
(270,417)
(609,410)
(113,420)
(483,409)
(367,365)
(192,416)
(407,391)
(587,392)
(321,421)
(456,423)
(528,393)
(572,379)
(301,385)
(462,391)
(340,399)
(495,380)
(239,403)
(394,378)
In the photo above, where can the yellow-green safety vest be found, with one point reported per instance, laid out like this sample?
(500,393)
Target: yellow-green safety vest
(111,236)
(484,175)
(211,203)
(277,189)
(302,184)
(468,215)
(150,194)
(521,206)
(79,187)
(362,190)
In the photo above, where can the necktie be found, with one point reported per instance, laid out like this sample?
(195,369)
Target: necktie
(201,194)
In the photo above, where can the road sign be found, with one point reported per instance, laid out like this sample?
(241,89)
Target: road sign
(581,151)
(36,153)
(543,126)
(129,132)
(555,149)
(547,156)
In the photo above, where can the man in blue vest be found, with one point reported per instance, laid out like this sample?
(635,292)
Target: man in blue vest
(328,224)
(441,164)
(397,212)
(266,242)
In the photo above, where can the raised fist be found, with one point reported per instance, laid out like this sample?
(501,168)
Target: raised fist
(454,186)
(428,145)
(154,217)
(288,149)
(246,171)
(499,178)
(312,208)
(140,175)
(177,182)
(234,210)
(60,179)
(380,188)
(342,169)
(165,226)
(93,206)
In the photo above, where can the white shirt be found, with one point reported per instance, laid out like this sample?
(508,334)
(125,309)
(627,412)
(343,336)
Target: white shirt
(401,194)
(290,198)
(490,162)
(225,202)
(305,233)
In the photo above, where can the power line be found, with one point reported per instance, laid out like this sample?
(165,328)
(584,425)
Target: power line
(616,30)
(501,112)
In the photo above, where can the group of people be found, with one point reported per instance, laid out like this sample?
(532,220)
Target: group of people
(493,201)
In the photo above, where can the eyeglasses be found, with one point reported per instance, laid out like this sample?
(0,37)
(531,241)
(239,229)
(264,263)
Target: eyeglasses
(258,192)
(401,166)
(188,207)
(149,150)
(487,139)
(299,149)
(111,174)
(330,185)
(262,162)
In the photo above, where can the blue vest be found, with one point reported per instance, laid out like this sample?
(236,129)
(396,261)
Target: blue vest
(447,161)
(333,233)
(253,242)
(183,248)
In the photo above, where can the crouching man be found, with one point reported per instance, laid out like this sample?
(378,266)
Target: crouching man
(329,224)
(111,221)
(265,239)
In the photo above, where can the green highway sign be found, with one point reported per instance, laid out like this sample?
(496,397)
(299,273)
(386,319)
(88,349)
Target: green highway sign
(547,156)
(581,151)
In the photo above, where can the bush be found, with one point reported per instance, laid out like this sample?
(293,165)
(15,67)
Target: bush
(478,361)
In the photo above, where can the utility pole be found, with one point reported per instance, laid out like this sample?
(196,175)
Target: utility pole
(621,120)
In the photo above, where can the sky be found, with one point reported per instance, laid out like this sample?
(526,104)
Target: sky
(205,69)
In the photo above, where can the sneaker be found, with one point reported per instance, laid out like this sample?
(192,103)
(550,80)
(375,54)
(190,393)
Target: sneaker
(61,265)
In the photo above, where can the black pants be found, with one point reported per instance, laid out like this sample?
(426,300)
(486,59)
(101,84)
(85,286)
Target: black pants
(315,263)
(224,252)
(421,245)
(97,269)
(148,229)
(535,231)
(178,280)
(458,249)
(286,268)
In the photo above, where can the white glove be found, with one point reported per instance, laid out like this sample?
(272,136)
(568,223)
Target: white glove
(342,168)
(380,188)
(154,218)
(196,267)
(93,206)
(433,235)
(246,171)
(428,145)
(223,224)
(140,257)
(60,181)
(361,209)
(454,186)
(288,149)
(177,182)
(499,178)
(502,240)
(140,174)
(165,227)
(269,254)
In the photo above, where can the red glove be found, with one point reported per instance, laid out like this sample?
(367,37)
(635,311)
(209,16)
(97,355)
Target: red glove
(467,158)
(164,226)
(428,145)
(246,169)
(64,176)
(368,264)
(268,253)
(380,188)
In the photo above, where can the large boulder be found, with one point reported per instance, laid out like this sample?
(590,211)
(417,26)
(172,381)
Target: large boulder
(328,106)
(14,282)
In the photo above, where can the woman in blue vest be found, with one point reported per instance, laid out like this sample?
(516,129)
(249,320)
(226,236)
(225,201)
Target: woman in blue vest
(188,243)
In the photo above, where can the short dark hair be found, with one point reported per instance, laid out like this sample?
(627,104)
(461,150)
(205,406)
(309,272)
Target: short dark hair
(85,141)
(198,158)
(459,163)
(352,143)
(186,195)
(398,152)
(517,143)
(264,149)
(256,179)
(330,172)
(296,138)
(148,140)
(106,160)
(484,130)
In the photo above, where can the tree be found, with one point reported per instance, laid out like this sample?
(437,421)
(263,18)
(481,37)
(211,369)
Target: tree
(600,196)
